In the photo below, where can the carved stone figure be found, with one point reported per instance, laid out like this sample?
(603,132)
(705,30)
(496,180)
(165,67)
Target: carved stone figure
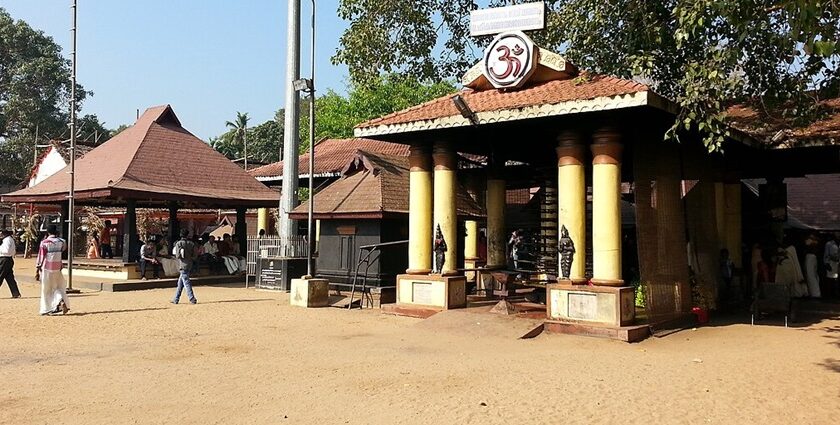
(440,251)
(566,248)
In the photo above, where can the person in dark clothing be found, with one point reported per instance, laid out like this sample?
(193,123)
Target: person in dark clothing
(7,262)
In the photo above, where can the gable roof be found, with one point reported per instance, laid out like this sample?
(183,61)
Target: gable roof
(154,161)
(550,98)
(330,156)
(371,186)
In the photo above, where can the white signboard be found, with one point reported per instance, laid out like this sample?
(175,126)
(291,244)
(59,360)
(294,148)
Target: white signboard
(583,306)
(522,17)
(509,60)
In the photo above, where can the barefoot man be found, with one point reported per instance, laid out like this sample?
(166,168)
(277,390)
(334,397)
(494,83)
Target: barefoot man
(53,295)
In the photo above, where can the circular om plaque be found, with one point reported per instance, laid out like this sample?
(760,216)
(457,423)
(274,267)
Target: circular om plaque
(509,60)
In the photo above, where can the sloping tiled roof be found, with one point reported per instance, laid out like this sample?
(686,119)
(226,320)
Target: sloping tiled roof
(766,128)
(373,184)
(156,159)
(813,200)
(63,149)
(330,156)
(538,96)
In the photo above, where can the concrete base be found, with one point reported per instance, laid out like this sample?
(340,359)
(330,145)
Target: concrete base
(596,305)
(432,291)
(310,293)
(621,333)
(410,311)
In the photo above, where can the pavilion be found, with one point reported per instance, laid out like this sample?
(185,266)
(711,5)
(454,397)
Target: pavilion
(589,141)
(155,163)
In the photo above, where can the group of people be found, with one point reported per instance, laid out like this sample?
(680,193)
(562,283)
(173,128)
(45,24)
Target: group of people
(222,254)
(815,277)
(99,244)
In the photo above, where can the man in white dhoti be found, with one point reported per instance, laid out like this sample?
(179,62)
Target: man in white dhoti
(48,266)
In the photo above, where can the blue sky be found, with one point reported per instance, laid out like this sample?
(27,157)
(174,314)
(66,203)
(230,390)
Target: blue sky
(207,58)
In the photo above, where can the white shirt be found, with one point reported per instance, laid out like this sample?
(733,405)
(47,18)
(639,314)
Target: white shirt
(210,248)
(7,248)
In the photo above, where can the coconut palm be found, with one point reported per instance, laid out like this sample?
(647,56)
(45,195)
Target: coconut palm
(240,131)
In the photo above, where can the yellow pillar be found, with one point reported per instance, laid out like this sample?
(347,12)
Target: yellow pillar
(262,220)
(420,211)
(470,248)
(606,208)
(733,221)
(571,199)
(446,213)
(495,207)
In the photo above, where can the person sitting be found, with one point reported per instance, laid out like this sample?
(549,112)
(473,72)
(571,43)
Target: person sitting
(211,252)
(149,255)
(226,253)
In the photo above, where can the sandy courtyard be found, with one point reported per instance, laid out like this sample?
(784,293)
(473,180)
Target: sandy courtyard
(246,357)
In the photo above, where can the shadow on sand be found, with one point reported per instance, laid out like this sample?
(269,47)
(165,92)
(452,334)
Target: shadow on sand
(88,313)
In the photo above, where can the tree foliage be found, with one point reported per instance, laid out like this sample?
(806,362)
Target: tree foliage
(264,141)
(34,97)
(34,81)
(701,53)
(336,115)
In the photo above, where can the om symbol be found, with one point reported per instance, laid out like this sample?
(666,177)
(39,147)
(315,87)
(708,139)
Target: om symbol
(514,66)
(509,60)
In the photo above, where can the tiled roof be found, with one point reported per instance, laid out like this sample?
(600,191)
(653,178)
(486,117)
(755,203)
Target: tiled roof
(373,184)
(813,200)
(547,93)
(155,160)
(330,156)
(765,128)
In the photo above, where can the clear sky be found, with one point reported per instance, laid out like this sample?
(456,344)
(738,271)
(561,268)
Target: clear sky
(207,58)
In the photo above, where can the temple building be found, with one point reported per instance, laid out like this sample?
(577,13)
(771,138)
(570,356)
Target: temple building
(586,144)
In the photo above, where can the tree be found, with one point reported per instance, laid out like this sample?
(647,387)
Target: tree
(34,95)
(264,141)
(336,115)
(240,133)
(703,54)
(34,81)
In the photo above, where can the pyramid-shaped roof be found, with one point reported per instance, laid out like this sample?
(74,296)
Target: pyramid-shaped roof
(373,185)
(154,161)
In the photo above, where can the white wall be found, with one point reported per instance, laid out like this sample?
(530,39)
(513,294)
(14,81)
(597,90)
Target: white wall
(51,163)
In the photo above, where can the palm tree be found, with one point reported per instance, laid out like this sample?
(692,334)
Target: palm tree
(240,130)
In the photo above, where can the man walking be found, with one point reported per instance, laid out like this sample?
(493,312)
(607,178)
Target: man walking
(185,254)
(7,262)
(53,290)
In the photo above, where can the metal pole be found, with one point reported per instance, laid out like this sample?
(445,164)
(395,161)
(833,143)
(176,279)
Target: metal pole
(291,143)
(71,195)
(310,222)
(289,189)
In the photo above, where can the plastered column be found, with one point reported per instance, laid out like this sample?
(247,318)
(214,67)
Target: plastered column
(471,240)
(445,204)
(606,208)
(420,210)
(496,223)
(262,220)
(732,209)
(571,198)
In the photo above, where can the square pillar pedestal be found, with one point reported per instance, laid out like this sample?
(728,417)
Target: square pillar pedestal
(310,293)
(604,311)
(424,295)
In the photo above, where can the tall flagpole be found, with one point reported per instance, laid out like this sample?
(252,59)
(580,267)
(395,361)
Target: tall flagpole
(310,239)
(71,195)
(289,191)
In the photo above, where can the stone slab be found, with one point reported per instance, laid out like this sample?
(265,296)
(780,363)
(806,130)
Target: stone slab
(620,333)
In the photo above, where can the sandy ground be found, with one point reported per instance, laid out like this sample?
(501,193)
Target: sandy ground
(246,357)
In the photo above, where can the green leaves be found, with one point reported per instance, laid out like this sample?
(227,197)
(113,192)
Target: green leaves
(703,54)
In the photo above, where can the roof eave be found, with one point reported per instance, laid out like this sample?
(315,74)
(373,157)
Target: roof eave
(604,103)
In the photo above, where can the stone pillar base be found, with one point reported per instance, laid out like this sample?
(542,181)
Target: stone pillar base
(432,291)
(602,305)
(310,293)
(573,281)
